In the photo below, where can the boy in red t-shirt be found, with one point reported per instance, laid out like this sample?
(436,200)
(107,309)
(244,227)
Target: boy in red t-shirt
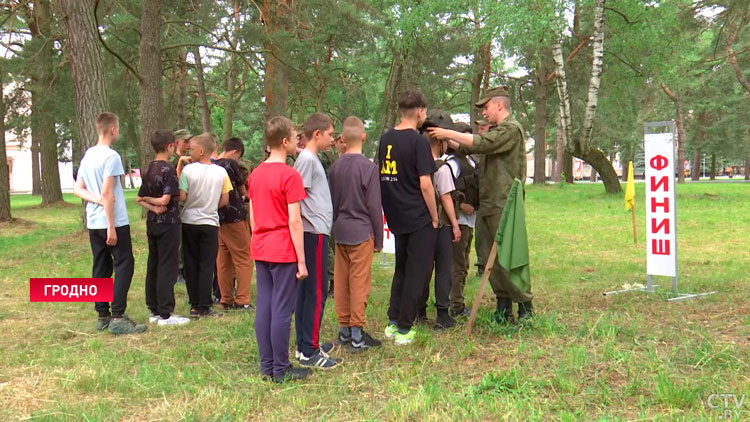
(275,191)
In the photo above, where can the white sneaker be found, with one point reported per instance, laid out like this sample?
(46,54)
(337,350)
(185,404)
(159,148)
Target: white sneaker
(173,320)
(154,318)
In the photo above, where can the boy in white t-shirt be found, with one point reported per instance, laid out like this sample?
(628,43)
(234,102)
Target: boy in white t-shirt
(204,187)
(98,183)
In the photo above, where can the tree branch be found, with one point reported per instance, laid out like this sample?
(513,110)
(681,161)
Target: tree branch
(611,9)
(112,52)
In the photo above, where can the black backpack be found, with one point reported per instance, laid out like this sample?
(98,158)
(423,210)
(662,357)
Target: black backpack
(467,183)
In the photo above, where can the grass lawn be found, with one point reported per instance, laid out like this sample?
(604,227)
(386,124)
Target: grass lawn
(585,357)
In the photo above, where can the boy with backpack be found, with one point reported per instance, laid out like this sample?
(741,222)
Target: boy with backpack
(448,229)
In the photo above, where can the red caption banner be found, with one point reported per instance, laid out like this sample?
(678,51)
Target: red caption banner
(71,289)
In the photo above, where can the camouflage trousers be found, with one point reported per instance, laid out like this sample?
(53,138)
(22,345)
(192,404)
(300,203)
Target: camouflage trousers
(484,234)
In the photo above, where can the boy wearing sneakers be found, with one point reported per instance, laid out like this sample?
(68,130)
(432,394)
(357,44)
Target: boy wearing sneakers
(448,229)
(358,230)
(317,219)
(98,183)
(275,191)
(160,194)
(233,258)
(408,198)
(204,187)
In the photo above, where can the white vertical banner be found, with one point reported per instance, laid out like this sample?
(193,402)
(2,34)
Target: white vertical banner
(661,216)
(389,239)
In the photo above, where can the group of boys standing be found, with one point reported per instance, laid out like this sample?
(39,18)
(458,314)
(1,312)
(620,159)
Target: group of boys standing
(293,212)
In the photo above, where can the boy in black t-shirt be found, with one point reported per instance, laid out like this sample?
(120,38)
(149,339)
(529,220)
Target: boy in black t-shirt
(408,197)
(233,259)
(160,194)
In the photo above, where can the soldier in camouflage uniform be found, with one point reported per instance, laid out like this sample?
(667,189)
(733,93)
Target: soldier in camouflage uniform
(327,158)
(504,150)
(182,149)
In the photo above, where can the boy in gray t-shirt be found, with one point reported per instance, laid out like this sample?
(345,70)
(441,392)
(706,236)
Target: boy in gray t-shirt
(317,219)
(98,183)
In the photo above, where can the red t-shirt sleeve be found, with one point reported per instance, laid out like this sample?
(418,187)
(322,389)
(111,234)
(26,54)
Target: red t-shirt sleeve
(294,191)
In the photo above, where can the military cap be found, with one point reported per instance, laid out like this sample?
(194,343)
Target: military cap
(182,134)
(498,91)
(437,118)
(461,127)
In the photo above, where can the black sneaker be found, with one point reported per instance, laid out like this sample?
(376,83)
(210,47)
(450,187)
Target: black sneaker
(238,307)
(194,313)
(210,313)
(228,306)
(292,374)
(365,343)
(460,313)
(103,322)
(319,360)
(504,312)
(342,339)
(444,321)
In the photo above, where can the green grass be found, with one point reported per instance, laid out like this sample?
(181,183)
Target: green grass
(586,356)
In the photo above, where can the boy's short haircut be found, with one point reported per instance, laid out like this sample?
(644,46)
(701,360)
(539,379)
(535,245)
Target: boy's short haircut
(206,140)
(411,100)
(234,144)
(317,121)
(160,139)
(352,129)
(105,121)
(277,128)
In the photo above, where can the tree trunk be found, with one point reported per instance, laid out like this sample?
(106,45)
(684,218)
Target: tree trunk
(42,94)
(559,155)
(4,171)
(478,70)
(713,167)
(540,124)
(182,92)
(150,86)
(87,72)
(391,92)
(677,99)
(592,175)
(568,167)
(202,97)
(747,167)
(229,101)
(276,80)
(733,28)
(599,163)
(594,81)
(36,174)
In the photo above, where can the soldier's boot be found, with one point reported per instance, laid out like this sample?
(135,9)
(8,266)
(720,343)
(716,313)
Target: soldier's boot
(504,312)
(525,311)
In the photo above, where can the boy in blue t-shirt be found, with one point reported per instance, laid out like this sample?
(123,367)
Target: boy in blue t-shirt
(98,183)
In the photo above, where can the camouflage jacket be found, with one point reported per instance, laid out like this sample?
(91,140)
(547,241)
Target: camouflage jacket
(504,158)
(327,158)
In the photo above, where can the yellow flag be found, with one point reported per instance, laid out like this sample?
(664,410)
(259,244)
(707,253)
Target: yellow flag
(630,188)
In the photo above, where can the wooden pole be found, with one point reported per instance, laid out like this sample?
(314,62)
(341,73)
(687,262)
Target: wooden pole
(482,284)
(635,236)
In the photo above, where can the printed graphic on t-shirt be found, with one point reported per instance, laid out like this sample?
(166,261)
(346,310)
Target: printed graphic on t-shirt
(389,168)
(161,179)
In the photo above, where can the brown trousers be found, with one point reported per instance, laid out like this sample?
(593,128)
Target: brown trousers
(233,260)
(461,251)
(352,282)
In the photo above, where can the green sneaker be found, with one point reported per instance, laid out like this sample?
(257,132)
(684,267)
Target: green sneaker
(406,338)
(102,323)
(125,325)
(391,331)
